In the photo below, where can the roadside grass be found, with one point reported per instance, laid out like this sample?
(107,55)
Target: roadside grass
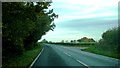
(25,59)
(103,51)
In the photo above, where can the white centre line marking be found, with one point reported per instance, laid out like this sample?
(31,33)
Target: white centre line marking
(83,64)
(78,61)
(67,54)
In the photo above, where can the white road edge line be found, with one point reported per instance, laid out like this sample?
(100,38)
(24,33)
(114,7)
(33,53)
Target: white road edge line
(36,58)
(83,63)
(67,54)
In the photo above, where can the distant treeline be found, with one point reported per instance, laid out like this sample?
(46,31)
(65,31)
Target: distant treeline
(84,40)
(74,44)
(23,24)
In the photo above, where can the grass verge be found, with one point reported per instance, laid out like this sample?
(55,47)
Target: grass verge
(25,59)
(97,50)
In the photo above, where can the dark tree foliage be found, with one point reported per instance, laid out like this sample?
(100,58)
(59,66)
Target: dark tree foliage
(71,41)
(110,40)
(91,40)
(24,23)
(111,36)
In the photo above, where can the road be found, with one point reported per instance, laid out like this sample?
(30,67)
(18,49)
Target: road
(54,55)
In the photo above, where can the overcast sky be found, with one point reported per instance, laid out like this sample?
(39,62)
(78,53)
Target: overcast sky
(82,18)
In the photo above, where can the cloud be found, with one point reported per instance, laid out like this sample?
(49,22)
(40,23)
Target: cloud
(81,18)
(84,9)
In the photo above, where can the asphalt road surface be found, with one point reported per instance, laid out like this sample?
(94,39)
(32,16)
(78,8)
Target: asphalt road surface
(54,55)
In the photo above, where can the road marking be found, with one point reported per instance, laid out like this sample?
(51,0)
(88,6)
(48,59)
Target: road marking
(83,63)
(67,54)
(78,61)
(36,58)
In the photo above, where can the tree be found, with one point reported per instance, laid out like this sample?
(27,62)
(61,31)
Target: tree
(43,24)
(62,41)
(79,40)
(111,36)
(110,40)
(71,41)
(44,41)
(91,40)
(85,39)
(74,41)
(50,42)
(24,23)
